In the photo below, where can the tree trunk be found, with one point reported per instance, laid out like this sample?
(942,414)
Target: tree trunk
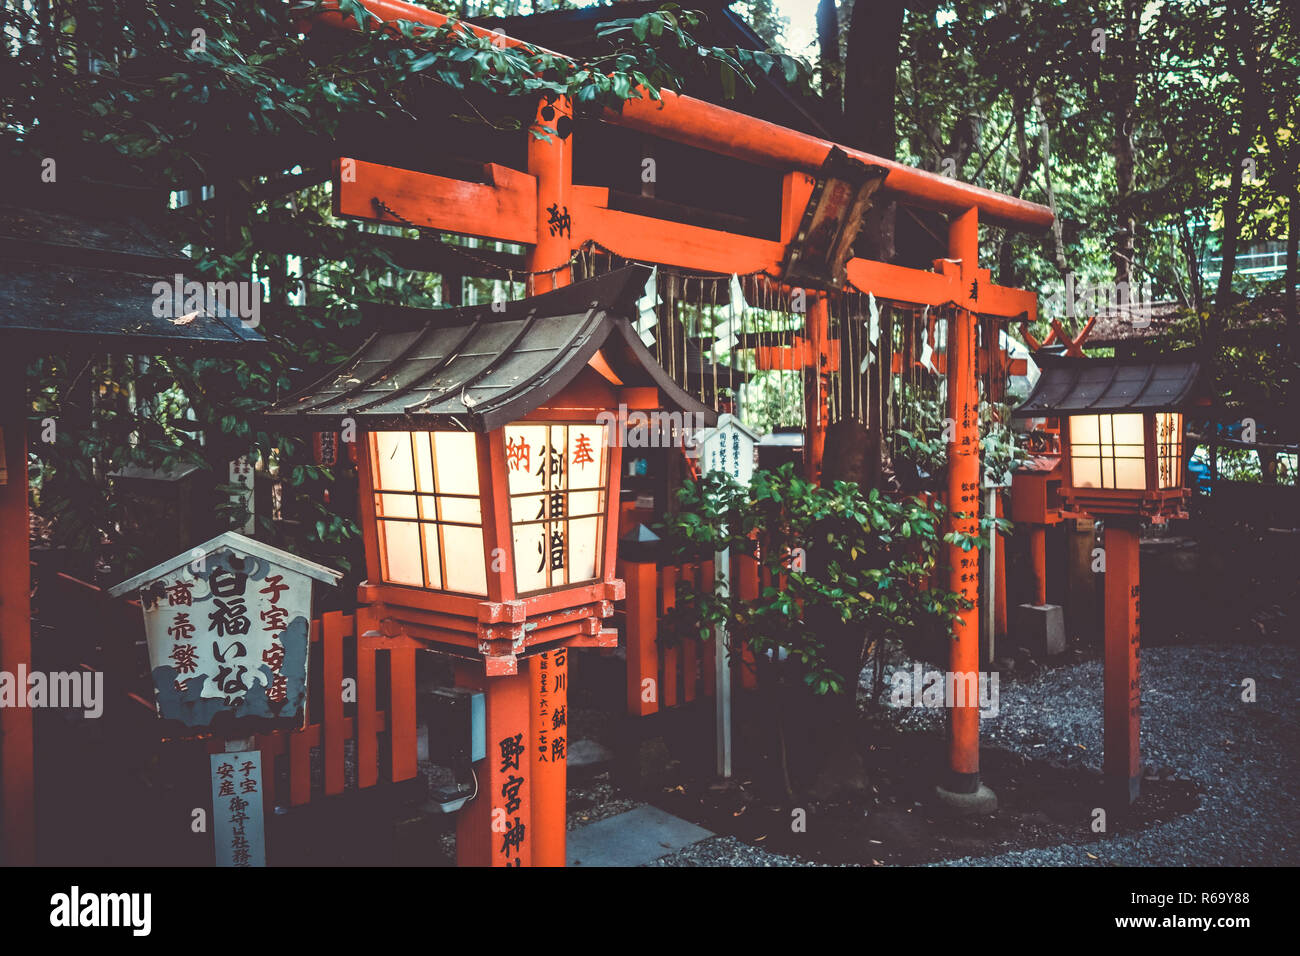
(870,94)
(832,66)
(1045,153)
(1125,106)
(1242,31)
(1248,75)
(1006,250)
(1292,315)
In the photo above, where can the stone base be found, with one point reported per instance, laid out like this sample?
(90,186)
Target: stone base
(1040,629)
(981,802)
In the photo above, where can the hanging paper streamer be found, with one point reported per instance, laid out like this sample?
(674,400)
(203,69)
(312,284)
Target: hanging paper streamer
(737,302)
(725,333)
(647,307)
(873,333)
(927,351)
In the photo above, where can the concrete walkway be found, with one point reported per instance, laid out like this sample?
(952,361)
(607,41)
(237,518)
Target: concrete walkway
(634,838)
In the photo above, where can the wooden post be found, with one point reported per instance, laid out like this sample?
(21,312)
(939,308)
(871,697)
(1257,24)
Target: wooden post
(1122,763)
(335,625)
(963,516)
(402,746)
(642,579)
(367,717)
(670,655)
(495,828)
(992,577)
(1038,562)
(816,408)
(17,783)
(551,162)
(963,512)
(722,673)
(1000,588)
(548,717)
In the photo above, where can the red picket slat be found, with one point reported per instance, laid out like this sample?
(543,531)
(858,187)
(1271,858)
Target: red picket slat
(401,712)
(640,624)
(670,657)
(335,627)
(299,767)
(367,716)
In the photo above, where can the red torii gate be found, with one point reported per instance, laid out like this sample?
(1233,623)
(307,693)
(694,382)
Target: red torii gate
(525,207)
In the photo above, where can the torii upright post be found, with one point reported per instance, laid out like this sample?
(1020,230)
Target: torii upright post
(962,790)
(551,161)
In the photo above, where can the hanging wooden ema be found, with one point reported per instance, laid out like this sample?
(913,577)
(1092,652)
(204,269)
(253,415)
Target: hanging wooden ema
(818,253)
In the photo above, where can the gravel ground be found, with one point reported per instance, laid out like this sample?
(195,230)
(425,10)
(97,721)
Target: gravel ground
(1194,725)
(725,851)
(594,798)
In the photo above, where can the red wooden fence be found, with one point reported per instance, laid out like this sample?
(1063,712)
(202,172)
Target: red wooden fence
(330,725)
(660,674)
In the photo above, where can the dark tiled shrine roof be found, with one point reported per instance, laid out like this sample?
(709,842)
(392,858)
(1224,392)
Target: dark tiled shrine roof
(89,276)
(479,368)
(1069,386)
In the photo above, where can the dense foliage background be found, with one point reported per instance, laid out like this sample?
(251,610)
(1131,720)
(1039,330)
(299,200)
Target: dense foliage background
(1161,133)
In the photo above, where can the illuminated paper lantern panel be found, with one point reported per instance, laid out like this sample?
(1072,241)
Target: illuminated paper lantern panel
(1122,432)
(429,518)
(1113,451)
(490,470)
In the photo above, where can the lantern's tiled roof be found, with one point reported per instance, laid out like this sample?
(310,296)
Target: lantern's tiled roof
(482,367)
(1072,386)
(90,273)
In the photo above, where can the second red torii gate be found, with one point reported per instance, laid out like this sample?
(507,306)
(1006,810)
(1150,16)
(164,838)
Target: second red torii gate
(545,210)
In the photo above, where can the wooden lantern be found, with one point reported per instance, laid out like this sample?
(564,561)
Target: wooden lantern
(1121,432)
(1122,445)
(490,467)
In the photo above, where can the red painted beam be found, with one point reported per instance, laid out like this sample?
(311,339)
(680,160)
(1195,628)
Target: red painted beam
(500,209)
(509,210)
(728,133)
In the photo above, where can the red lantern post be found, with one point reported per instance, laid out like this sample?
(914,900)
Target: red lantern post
(1122,447)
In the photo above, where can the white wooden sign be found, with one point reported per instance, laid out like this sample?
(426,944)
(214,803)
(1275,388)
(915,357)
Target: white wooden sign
(728,447)
(238,823)
(228,626)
